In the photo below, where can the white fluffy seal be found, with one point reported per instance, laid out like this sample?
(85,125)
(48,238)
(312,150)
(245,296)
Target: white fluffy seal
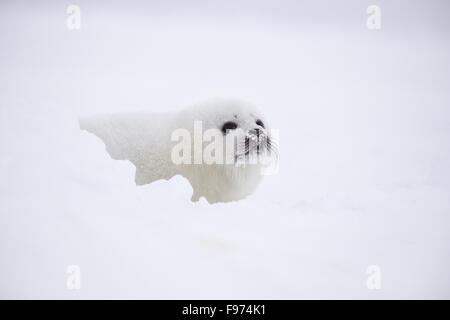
(146,139)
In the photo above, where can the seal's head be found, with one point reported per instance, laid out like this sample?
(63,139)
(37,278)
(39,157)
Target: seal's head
(248,149)
(240,124)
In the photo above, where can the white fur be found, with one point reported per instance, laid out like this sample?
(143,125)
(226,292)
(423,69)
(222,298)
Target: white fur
(145,140)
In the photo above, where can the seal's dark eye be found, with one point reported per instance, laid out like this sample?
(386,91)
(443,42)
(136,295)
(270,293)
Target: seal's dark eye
(260,123)
(228,126)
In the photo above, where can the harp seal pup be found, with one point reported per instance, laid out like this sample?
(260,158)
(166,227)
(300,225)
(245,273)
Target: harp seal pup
(146,139)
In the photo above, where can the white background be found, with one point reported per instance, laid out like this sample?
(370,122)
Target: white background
(364,150)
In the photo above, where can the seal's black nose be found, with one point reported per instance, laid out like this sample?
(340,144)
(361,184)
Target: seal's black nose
(257,132)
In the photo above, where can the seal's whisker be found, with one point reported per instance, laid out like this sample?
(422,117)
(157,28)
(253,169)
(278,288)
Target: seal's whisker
(273,146)
(272,143)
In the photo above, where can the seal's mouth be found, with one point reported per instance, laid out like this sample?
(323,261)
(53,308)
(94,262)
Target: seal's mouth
(255,145)
(256,148)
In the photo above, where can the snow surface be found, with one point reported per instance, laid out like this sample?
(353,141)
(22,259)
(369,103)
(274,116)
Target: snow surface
(364,173)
